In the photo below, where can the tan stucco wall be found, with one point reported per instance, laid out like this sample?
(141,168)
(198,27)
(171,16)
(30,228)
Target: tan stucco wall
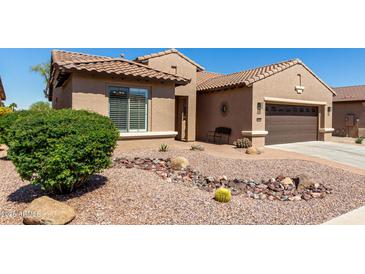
(282,85)
(238,116)
(62,96)
(340,110)
(90,92)
(187,70)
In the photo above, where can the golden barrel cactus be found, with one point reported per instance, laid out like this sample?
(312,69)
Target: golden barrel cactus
(222,195)
(179,163)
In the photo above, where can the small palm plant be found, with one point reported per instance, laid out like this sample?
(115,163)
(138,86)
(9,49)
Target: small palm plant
(163,148)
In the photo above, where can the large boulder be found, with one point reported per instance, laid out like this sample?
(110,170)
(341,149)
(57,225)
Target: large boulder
(304,181)
(47,211)
(179,163)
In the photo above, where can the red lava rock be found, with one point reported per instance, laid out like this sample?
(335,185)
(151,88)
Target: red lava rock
(271,189)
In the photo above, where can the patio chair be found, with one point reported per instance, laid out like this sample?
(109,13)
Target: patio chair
(219,135)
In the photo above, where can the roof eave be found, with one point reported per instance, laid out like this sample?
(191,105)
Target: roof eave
(127,77)
(2,91)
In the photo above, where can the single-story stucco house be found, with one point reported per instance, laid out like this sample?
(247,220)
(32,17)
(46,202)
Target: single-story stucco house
(2,92)
(168,95)
(349,111)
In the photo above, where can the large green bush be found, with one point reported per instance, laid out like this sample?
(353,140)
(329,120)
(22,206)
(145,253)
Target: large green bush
(61,149)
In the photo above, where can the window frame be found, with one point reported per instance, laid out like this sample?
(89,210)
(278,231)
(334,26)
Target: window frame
(145,91)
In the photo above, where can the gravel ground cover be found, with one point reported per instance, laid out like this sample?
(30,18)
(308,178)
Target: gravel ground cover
(133,196)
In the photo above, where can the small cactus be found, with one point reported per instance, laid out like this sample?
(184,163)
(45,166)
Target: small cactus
(163,148)
(222,195)
(242,143)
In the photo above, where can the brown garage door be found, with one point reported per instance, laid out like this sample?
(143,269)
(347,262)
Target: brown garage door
(289,124)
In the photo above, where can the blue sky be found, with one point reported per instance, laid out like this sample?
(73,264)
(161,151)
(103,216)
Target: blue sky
(337,67)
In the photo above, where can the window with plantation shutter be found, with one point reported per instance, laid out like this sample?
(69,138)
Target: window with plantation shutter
(137,109)
(128,108)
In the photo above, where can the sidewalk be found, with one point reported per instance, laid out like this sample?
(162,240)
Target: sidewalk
(355,217)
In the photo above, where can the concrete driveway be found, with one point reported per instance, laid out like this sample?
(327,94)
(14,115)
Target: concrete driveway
(352,155)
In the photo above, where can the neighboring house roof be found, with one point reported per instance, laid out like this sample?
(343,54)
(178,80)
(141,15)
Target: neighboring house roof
(2,91)
(203,76)
(169,51)
(248,77)
(350,93)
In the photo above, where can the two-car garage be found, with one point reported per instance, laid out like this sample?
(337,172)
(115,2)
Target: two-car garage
(275,104)
(290,123)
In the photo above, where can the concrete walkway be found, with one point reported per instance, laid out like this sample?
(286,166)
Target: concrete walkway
(342,153)
(355,217)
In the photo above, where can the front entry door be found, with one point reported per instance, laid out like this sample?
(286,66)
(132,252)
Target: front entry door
(181,117)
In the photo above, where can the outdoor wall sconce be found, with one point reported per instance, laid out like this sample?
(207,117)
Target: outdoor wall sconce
(224,108)
(329,109)
(259,107)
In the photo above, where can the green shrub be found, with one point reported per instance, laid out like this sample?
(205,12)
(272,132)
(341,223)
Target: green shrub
(242,143)
(60,150)
(222,195)
(6,122)
(359,140)
(197,147)
(163,148)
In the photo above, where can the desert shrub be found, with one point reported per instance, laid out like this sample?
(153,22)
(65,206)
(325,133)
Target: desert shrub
(60,150)
(6,121)
(359,140)
(222,195)
(5,110)
(40,106)
(163,148)
(242,143)
(197,147)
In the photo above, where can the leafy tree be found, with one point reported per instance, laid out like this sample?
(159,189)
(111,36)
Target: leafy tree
(40,106)
(44,70)
(13,106)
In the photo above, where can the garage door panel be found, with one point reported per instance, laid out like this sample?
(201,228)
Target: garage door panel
(288,124)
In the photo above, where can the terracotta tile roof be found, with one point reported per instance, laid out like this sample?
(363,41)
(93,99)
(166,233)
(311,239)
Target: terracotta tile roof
(72,61)
(153,55)
(203,76)
(350,93)
(2,91)
(66,57)
(248,77)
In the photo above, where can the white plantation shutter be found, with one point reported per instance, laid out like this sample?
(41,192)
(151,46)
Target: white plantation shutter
(128,108)
(137,109)
(118,107)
